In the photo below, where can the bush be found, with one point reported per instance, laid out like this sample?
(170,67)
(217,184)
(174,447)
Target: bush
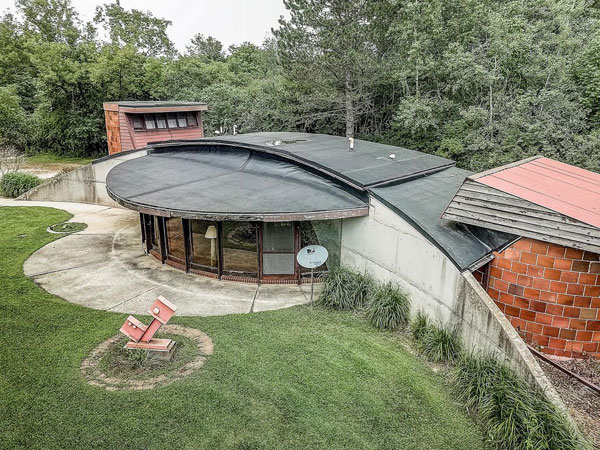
(388,307)
(438,343)
(419,326)
(345,289)
(14,184)
(515,414)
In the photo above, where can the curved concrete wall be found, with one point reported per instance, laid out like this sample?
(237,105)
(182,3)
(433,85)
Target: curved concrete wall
(386,246)
(84,185)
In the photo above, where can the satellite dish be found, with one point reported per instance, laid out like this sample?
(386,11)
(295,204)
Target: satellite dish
(312,256)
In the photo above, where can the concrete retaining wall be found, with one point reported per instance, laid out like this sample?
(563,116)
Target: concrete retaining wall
(386,246)
(84,185)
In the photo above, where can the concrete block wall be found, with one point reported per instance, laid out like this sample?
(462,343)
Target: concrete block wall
(551,295)
(388,247)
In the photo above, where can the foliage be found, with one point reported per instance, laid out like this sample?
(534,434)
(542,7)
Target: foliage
(387,307)
(302,377)
(439,343)
(419,326)
(515,414)
(482,82)
(13,121)
(345,289)
(68,227)
(13,184)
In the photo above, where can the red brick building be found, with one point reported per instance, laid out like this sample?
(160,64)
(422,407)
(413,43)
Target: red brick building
(132,125)
(547,282)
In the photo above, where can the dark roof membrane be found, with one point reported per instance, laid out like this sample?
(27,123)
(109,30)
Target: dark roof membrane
(152,104)
(422,201)
(368,165)
(228,182)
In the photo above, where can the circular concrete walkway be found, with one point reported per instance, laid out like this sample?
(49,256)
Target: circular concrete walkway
(104,267)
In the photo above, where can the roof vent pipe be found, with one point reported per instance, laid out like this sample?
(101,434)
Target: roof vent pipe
(351,144)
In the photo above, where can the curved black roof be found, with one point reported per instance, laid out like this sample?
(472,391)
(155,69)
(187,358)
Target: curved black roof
(229,184)
(309,172)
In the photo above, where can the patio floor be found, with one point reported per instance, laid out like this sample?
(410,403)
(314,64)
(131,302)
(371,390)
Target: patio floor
(104,267)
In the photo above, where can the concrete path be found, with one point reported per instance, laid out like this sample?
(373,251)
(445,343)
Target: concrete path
(104,267)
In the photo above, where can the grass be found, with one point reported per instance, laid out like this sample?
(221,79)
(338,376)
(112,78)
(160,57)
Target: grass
(388,307)
(345,289)
(515,414)
(68,227)
(50,158)
(143,364)
(437,342)
(304,377)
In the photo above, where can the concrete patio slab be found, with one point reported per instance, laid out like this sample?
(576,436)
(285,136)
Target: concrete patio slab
(104,267)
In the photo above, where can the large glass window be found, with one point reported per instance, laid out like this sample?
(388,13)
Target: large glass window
(327,233)
(175,240)
(155,234)
(240,248)
(278,248)
(172,120)
(205,250)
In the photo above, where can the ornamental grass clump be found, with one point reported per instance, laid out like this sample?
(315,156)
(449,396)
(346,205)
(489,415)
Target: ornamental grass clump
(438,343)
(345,289)
(515,414)
(13,184)
(388,307)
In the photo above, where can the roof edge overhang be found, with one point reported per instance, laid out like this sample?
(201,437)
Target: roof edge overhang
(241,216)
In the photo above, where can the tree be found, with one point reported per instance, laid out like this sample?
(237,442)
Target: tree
(329,49)
(208,48)
(136,28)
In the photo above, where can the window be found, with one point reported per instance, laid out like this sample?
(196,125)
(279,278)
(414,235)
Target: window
(155,234)
(138,123)
(181,120)
(175,240)
(172,120)
(205,251)
(149,121)
(327,233)
(240,248)
(191,120)
(161,121)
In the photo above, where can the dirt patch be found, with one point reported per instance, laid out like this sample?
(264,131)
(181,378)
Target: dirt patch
(583,403)
(99,374)
(46,171)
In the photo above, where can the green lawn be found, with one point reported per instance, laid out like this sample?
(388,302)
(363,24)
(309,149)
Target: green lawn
(50,158)
(296,378)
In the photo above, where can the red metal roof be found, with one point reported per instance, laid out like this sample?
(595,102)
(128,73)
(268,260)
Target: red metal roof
(560,187)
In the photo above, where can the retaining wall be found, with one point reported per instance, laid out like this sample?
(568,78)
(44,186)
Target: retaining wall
(386,246)
(86,184)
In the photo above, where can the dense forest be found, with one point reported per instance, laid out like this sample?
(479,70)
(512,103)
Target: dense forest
(483,82)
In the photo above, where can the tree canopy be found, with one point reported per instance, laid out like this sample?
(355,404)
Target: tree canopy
(484,82)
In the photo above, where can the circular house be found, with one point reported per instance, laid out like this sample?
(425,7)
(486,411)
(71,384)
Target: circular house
(233,211)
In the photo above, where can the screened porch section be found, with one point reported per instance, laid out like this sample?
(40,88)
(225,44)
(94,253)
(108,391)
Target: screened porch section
(240,250)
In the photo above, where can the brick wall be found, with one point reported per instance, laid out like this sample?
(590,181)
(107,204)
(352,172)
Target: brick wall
(113,136)
(551,295)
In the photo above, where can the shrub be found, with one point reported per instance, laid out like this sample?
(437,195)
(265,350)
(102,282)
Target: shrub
(515,414)
(345,289)
(14,184)
(439,343)
(387,307)
(419,326)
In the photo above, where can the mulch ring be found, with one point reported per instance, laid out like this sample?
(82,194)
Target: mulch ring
(90,367)
(583,403)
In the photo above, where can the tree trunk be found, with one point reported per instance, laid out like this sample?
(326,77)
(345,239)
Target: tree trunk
(349,107)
